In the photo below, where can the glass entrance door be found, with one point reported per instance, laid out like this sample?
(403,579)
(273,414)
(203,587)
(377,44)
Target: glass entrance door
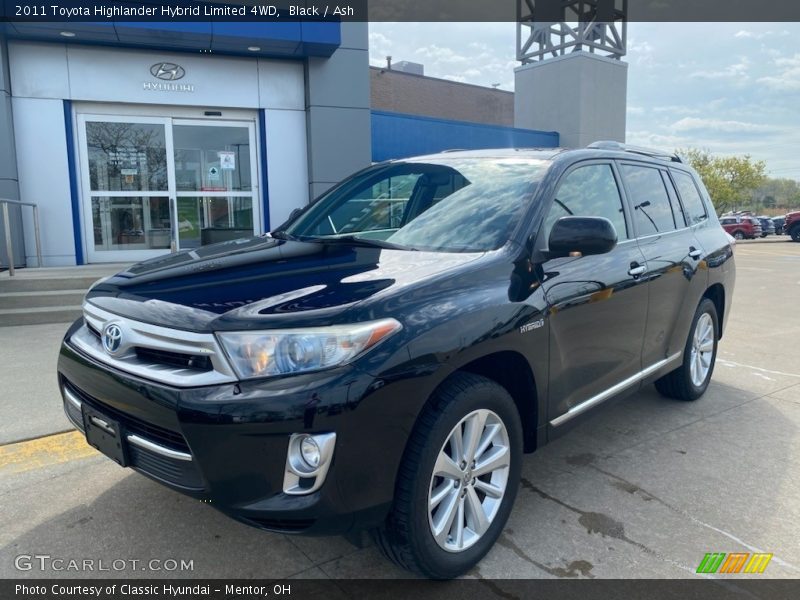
(214,181)
(155,184)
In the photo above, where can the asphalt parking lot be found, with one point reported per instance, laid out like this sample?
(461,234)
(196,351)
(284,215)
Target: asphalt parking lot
(644,490)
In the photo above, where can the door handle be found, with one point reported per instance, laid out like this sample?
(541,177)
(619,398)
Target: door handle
(695,253)
(636,270)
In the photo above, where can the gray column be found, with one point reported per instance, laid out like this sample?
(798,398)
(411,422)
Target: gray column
(338,111)
(9,183)
(581,95)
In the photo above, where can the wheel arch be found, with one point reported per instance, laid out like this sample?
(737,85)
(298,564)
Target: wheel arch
(512,371)
(716,293)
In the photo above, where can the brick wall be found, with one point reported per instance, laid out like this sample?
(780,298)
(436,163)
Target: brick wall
(395,91)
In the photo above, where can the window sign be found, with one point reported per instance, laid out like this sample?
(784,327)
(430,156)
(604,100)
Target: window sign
(227,160)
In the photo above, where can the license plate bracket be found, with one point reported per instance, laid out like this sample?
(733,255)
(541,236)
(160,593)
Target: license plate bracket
(105,434)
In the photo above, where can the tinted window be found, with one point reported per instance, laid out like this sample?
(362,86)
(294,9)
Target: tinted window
(450,205)
(681,220)
(652,210)
(692,201)
(589,191)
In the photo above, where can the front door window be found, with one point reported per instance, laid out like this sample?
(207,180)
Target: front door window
(155,184)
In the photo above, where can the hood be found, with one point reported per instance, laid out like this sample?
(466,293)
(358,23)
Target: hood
(264,282)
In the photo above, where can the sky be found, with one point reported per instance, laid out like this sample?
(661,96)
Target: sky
(731,88)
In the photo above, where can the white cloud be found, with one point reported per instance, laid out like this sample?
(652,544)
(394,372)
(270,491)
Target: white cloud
(721,126)
(788,77)
(760,35)
(738,71)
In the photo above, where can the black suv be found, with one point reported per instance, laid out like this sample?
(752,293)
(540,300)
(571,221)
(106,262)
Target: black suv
(383,360)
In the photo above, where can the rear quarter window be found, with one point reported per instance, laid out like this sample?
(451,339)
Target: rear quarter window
(693,204)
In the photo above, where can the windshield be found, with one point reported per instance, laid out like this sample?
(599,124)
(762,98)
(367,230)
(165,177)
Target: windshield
(450,205)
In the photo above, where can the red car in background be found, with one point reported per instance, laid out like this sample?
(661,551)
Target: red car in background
(791,225)
(742,227)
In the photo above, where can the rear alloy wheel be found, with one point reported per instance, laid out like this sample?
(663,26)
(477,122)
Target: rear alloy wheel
(457,480)
(690,380)
(739,235)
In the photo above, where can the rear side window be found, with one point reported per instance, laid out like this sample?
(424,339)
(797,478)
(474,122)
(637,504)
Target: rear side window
(589,191)
(692,200)
(652,209)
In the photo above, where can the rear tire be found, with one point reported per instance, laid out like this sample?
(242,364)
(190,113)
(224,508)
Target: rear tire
(739,235)
(691,379)
(424,500)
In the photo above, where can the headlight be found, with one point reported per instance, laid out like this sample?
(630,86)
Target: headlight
(285,351)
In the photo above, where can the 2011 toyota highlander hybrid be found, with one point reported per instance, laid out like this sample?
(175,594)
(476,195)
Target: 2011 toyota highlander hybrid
(383,359)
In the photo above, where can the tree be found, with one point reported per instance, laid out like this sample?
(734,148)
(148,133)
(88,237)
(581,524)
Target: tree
(731,180)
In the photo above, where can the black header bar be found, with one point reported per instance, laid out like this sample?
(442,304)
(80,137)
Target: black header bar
(65,11)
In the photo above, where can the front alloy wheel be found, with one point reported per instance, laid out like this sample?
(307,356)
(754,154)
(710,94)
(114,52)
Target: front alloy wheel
(457,479)
(469,481)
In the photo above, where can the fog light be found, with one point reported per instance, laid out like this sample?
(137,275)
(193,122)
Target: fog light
(309,449)
(307,461)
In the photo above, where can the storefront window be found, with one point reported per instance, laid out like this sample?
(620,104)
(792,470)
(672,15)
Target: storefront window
(126,156)
(212,159)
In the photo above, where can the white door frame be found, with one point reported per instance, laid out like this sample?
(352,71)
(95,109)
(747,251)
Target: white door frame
(87,222)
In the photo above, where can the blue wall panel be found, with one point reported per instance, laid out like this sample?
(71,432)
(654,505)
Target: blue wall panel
(396,135)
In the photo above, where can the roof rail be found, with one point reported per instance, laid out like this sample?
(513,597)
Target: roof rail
(613,145)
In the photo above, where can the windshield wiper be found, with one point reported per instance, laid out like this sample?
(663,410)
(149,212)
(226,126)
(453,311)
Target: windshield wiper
(352,240)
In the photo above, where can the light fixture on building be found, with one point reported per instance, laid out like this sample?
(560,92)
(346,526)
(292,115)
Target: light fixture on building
(254,48)
(67,34)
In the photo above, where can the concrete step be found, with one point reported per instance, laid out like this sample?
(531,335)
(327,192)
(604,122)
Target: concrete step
(51,298)
(48,295)
(65,314)
(48,284)
(55,278)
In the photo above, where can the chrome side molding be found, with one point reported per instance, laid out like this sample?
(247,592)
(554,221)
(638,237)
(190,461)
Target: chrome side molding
(612,391)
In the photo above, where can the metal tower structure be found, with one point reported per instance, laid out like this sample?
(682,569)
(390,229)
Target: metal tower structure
(593,26)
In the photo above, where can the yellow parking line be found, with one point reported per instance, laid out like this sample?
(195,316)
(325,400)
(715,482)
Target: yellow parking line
(44,452)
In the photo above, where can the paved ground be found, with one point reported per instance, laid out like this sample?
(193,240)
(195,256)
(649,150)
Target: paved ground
(643,490)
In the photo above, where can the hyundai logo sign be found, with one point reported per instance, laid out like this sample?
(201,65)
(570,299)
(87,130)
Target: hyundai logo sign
(112,338)
(167,71)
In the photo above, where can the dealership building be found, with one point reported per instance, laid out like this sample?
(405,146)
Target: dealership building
(139,139)
(135,139)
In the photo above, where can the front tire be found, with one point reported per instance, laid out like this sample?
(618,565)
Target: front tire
(691,379)
(795,234)
(457,481)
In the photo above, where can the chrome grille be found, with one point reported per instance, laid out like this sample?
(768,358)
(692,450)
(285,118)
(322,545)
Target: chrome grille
(179,358)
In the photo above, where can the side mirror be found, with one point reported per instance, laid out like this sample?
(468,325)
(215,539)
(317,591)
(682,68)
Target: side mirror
(581,236)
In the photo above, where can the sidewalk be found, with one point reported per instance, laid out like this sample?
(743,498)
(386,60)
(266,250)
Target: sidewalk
(31,403)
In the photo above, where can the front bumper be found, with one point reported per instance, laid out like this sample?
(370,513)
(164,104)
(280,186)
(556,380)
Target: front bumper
(227,444)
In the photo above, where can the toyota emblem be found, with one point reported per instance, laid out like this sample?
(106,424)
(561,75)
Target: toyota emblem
(167,71)
(112,338)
